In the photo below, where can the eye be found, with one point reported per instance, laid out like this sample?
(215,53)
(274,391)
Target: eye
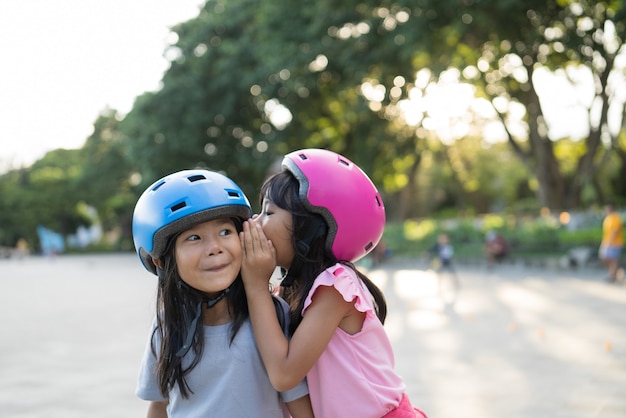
(267,209)
(192,237)
(226,231)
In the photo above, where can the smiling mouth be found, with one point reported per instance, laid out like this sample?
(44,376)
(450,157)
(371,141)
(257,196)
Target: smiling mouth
(218,268)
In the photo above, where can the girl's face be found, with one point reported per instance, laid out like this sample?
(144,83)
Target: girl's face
(208,255)
(277,226)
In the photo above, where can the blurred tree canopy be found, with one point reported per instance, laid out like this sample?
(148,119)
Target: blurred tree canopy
(250,81)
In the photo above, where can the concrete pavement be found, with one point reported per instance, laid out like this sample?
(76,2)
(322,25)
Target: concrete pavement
(517,343)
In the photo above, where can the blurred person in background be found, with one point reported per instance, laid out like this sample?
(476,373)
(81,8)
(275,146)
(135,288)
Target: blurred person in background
(612,241)
(496,248)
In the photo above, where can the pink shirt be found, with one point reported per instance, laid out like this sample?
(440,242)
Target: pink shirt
(355,374)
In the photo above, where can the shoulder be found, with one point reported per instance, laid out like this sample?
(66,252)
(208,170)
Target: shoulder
(613,219)
(346,281)
(339,276)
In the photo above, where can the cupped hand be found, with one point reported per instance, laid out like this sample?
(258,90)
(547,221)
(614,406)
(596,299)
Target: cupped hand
(259,255)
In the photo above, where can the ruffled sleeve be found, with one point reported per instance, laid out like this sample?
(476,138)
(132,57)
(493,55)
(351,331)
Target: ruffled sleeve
(347,283)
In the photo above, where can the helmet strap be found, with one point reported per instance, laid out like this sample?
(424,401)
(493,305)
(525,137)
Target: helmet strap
(197,314)
(160,272)
(211,302)
(191,332)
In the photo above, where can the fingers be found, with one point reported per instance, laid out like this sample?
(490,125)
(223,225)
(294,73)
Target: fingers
(247,241)
(259,255)
(253,239)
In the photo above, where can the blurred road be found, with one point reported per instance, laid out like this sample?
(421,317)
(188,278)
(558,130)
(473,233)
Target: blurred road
(516,343)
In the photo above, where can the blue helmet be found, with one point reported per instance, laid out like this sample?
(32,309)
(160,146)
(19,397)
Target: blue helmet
(177,202)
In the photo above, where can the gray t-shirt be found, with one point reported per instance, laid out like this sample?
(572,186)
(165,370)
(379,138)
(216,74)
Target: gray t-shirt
(229,380)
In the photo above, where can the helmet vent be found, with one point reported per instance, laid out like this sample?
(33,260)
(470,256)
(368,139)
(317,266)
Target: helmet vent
(344,162)
(178,206)
(369,246)
(233,194)
(378,201)
(158,185)
(196,178)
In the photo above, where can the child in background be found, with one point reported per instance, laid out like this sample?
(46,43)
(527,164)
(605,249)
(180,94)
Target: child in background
(443,252)
(496,248)
(319,215)
(442,264)
(201,359)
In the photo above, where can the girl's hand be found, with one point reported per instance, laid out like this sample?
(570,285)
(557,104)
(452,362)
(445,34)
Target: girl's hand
(259,255)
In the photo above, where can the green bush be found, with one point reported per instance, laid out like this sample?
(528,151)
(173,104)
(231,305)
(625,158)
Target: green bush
(589,237)
(540,236)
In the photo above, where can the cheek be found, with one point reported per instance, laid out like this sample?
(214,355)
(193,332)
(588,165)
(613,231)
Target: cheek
(235,250)
(181,262)
(180,254)
(265,226)
(186,257)
(282,242)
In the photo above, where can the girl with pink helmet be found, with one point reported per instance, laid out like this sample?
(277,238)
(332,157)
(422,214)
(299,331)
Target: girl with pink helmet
(319,215)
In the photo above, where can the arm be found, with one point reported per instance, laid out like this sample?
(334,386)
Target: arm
(300,408)
(157,410)
(286,362)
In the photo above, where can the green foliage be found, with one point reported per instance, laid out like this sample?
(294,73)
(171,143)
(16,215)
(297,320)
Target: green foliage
(205,114)
(586,237)
(538,236)
(45,194)
(240,59)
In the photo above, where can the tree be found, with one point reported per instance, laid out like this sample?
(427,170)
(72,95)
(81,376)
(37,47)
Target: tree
(17,218)
(107,181)
(44,194)
(508,44)
(204,114)
(326,68)
(500,46)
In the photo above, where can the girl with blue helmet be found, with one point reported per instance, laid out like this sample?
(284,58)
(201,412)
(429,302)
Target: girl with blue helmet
(201,358)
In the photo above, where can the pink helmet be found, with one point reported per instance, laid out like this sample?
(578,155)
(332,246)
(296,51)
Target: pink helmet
(338,190)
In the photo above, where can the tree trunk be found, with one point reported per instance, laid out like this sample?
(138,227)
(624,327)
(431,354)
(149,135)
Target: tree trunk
(407,194)
(539,158)
(586,168)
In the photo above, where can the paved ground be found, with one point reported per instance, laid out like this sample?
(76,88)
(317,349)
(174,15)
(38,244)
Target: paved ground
(517,343)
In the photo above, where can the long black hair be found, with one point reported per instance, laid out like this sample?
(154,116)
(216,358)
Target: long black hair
(283,190)
(177,306)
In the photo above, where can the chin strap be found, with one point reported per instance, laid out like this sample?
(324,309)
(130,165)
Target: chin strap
(191,332)
(197,314)
(193,325)
(315,228)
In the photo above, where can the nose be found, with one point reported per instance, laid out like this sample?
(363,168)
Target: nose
(212,246)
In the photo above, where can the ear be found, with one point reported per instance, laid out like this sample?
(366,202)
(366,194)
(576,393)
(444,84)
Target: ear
(157,262)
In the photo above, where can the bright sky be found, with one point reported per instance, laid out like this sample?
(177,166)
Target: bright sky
(63,62)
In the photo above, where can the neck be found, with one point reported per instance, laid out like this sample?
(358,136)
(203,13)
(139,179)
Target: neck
(216,315)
